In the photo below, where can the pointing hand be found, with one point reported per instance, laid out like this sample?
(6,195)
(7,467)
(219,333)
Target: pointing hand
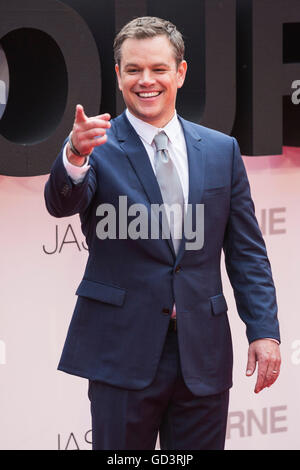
(87,133)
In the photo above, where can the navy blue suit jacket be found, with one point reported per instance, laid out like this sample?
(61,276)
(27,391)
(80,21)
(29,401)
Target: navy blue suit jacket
(125,299)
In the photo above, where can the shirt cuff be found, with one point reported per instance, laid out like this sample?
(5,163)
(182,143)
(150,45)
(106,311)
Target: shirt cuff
(76,173)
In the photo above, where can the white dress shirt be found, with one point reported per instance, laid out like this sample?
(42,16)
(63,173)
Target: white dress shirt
(176,146)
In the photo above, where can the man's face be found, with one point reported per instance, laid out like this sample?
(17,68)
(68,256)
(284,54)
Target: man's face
(149,78)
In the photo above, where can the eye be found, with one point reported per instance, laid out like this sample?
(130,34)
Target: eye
(132,71)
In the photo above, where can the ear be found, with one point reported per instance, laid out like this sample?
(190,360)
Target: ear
(117,70)
(181,73)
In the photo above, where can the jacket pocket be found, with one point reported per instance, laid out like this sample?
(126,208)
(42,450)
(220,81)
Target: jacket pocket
(101,292)
(218,304)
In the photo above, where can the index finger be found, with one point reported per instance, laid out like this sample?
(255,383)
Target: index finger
(105,117)
(95,123)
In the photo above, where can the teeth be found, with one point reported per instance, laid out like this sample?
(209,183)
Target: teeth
(148,95)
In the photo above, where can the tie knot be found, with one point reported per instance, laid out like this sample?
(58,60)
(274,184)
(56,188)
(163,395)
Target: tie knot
(161,141)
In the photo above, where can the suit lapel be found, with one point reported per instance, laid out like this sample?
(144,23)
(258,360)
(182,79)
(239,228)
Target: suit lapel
(196,163)
(137,155)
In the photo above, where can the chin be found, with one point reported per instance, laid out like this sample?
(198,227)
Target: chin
(148,117)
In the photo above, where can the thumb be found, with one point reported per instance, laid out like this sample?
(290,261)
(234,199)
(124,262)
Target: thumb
(80,114)
(251,364)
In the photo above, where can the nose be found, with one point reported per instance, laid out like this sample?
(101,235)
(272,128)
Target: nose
(146,78)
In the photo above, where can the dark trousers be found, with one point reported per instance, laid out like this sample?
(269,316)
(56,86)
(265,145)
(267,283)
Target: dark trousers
(131,419)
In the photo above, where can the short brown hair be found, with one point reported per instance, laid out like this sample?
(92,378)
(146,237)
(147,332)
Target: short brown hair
(148,27)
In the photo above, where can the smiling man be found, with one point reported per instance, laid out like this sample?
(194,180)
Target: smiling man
(150,328)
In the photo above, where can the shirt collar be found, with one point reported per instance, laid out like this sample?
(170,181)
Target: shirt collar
(147,132)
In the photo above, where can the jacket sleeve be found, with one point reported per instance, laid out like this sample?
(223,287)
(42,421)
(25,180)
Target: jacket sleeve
(63,197)
(246,260)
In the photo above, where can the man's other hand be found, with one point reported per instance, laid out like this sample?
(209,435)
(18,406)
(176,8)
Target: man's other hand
(266,354)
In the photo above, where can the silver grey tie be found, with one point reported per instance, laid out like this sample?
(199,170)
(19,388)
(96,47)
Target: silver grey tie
(170,187)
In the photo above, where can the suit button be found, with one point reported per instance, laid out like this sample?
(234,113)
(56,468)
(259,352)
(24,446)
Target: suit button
(165,311)
(65,190)
(177,269)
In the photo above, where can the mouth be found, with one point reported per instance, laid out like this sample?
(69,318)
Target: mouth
(148,94)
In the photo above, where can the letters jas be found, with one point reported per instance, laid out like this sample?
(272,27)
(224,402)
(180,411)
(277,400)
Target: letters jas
(69,237)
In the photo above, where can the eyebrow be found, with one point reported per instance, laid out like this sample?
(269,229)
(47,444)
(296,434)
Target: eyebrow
(161,64)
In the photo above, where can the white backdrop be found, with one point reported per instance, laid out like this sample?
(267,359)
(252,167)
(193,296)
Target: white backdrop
(42,262)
